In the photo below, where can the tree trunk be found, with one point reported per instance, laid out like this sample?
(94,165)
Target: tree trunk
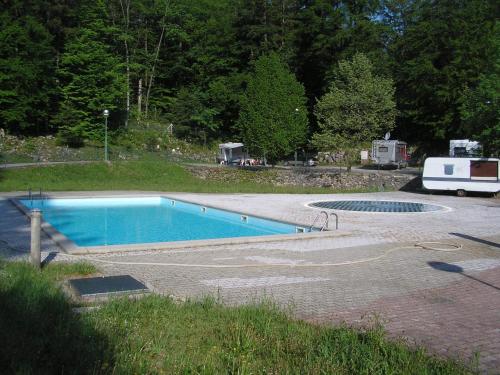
(152,73)
(127,114)
(283,6)
(126,15)
(139,100)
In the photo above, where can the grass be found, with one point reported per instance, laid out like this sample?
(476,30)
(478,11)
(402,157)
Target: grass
(157,335)
(134,175)
(38,330)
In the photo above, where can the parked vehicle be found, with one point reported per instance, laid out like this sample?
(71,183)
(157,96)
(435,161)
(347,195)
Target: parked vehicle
(463,148)
(389,153)
(462,175)
(231,153)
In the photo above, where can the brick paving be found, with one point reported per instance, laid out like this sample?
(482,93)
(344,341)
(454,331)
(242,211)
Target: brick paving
(459,320)
(446,301)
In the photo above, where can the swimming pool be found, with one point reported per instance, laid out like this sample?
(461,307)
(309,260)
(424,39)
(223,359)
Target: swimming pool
(119,221)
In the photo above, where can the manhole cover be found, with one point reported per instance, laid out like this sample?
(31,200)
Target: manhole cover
(377,206)
(98,286)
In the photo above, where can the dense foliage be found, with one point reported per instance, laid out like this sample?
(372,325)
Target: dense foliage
(189,62)
(358,107)
(273,118)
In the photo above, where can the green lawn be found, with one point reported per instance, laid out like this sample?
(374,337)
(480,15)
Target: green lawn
(134,175)
(157,335)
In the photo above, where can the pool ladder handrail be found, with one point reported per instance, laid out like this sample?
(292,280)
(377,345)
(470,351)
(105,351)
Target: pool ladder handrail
(336,219)
(40,194)
(327,221)
(325,225)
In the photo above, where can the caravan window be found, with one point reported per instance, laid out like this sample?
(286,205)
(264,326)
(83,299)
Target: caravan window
(484,170)
(383,149)
(448,169)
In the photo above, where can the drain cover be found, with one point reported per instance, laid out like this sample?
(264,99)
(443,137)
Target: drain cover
(98,286)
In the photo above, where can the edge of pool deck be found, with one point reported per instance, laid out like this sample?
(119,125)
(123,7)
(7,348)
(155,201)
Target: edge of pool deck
(69,247)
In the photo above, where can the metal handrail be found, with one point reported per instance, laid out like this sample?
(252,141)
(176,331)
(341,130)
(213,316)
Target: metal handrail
(316,219)
(40,196)
(336,219)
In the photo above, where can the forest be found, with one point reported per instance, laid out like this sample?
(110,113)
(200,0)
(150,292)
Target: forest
(253,69)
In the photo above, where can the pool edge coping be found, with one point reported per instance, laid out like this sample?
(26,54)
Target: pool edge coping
(69,247)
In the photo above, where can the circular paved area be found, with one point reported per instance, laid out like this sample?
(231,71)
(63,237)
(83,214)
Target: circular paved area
(448,301)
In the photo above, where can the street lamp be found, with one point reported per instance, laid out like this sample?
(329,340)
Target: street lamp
(106,114)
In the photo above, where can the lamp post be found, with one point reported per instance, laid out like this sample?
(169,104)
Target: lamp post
(106,114)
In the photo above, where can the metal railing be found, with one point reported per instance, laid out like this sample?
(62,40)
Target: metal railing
(325,225)
(41,197)
(327,221)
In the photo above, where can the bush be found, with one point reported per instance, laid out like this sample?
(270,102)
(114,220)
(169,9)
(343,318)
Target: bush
(144,139)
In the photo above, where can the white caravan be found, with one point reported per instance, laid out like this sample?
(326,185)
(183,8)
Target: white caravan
(462,174)
(230,153)
(389,152)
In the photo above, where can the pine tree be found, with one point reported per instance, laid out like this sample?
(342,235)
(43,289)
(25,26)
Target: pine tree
(27,82)
(273,117)
(92,79)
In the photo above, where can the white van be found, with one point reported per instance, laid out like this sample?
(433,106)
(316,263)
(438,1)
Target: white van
(462,174)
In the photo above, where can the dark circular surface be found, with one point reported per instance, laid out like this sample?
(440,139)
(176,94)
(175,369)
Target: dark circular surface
(377,206)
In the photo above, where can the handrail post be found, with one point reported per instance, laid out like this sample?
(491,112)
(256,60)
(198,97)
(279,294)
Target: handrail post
(336,219)
(35,256)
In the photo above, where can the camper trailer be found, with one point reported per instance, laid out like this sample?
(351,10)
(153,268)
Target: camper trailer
(463,148)
(231,153)
(389,153)
(462,174)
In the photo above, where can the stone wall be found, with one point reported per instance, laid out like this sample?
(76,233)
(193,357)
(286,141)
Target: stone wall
(309,177)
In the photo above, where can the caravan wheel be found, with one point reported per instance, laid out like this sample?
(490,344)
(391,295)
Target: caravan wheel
(461,193)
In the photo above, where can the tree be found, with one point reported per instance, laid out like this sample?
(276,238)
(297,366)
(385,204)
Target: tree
(442,50)
(358,108)
(26,75)
(273,116)
(92,80)
(481,108)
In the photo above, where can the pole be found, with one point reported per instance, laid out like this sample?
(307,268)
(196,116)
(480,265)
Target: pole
(106,139)
(36,218)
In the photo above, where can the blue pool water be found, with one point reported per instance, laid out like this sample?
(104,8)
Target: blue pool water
(116,221)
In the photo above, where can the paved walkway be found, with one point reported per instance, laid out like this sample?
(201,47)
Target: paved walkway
(42,164)
(448,301)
